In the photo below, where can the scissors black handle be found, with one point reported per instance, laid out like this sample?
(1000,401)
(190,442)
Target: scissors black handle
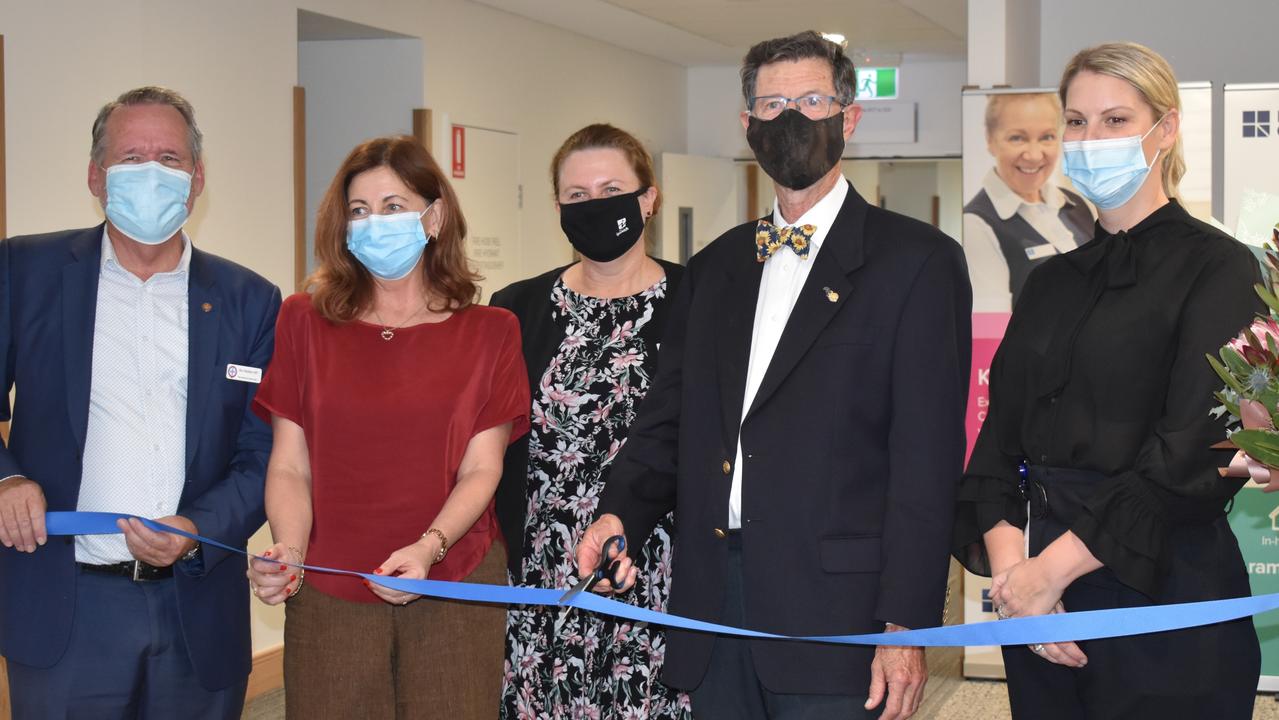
(608,568)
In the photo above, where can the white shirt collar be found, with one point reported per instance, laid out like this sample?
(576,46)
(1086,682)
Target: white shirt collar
(1007,202)
(109,260)
(822,215)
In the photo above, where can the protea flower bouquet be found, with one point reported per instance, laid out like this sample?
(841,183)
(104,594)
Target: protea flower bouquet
(1249,366)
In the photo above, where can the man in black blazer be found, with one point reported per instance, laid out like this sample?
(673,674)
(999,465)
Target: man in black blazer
(806,424)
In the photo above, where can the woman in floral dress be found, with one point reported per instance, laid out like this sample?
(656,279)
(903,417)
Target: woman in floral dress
(591,332)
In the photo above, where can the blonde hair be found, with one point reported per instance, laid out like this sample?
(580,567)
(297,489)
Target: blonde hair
(995,105)
(1151,76)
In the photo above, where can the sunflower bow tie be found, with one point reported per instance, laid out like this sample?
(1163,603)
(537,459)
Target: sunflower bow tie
(769,238)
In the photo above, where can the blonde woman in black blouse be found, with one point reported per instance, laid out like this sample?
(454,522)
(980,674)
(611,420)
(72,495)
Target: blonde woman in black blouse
(1092,484)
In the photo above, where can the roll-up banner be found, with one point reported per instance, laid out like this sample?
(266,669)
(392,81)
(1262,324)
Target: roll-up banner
(1251,162)
(1011,160)
(1251,186)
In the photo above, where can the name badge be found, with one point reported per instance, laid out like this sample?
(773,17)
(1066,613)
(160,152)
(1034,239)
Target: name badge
(1040,251)
(243,373)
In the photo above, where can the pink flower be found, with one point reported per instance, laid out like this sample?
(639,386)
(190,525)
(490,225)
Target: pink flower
(627,359)
(1261,327)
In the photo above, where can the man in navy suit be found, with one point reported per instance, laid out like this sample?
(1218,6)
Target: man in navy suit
(806,424)
(133,356)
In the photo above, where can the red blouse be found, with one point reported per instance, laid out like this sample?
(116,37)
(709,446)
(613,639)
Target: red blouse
(387,424)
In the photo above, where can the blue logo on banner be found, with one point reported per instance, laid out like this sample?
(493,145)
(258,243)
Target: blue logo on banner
(1256,123)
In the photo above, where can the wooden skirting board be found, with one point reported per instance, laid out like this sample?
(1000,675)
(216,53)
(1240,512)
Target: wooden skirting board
(4,691)
(267,674)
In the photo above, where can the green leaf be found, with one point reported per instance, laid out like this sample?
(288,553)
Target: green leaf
(1232,408)
(1224,374)
(1236,364)
(1267,297)
(1262,445)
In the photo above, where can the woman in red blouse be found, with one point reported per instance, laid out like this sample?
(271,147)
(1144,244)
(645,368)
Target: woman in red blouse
(392,398)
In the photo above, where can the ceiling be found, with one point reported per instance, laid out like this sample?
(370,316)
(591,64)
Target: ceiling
(314,27)
(716,32)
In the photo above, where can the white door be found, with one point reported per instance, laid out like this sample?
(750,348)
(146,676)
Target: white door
(490,198)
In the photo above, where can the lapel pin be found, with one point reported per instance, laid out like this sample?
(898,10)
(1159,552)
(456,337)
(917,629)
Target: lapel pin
(207,307)
(831,295)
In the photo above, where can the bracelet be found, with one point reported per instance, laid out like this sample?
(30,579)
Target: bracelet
(444,543)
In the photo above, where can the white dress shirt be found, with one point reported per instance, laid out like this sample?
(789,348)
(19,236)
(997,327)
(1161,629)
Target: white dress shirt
(779,288)
(987,267)
(135,444)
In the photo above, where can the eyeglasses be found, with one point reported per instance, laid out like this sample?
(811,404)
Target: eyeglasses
(814,107)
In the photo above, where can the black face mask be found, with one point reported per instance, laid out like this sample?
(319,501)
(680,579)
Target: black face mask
(603,229)
(794,150)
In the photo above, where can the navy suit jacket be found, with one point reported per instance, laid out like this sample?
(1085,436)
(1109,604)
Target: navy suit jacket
(48,299)
(852,448)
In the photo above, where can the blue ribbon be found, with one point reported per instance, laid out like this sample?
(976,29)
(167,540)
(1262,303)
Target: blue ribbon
(1071,626)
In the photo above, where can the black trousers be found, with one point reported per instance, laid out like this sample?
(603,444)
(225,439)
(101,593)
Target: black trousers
(1207,672)
(731,689)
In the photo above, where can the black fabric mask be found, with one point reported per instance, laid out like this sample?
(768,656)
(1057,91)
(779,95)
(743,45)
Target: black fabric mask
(794,150)
(603,229)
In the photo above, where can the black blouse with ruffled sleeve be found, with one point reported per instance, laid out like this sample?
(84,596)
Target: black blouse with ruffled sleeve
(1102,369)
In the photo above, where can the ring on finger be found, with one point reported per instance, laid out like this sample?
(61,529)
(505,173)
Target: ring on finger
(1037,648)
(1001,613)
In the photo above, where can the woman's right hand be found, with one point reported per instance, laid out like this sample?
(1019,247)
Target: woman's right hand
(271,581)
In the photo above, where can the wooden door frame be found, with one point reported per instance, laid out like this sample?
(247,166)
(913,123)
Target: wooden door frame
(300,254)
(423,129)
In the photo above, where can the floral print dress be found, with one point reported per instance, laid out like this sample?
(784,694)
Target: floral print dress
(566,663)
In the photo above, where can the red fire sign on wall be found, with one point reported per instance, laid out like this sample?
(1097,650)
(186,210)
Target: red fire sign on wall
(459,151)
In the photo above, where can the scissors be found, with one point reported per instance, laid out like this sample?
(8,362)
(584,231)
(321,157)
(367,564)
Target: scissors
(607,569)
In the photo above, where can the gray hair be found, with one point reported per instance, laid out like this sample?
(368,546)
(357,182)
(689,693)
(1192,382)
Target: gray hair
(805,45)
(149,95)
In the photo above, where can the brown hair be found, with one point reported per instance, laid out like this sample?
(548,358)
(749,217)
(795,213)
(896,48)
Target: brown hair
(341,287)
(1151,76)
(602,135)
(802,46)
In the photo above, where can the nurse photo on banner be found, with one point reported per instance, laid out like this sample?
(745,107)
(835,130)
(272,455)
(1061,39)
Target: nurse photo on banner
(1020,215)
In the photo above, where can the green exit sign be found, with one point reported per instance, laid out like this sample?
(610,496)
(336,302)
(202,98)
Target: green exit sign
(877,83)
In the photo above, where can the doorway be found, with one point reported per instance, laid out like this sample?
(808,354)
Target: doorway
(360,82)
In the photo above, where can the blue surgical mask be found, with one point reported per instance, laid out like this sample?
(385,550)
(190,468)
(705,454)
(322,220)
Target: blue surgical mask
(1108,172)
(388,245)
(147,201)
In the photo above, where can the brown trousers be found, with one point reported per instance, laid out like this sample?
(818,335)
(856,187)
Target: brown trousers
(425,660)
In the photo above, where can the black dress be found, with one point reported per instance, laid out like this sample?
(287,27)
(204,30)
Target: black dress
(564,663)
(1101,387)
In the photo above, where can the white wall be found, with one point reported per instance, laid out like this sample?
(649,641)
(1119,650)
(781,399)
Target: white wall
(908,188)
(708,186)
(1227,41)
(1003,42)
(715,104)
(1222,41)
(950,191)
(236,61)
(351,97)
